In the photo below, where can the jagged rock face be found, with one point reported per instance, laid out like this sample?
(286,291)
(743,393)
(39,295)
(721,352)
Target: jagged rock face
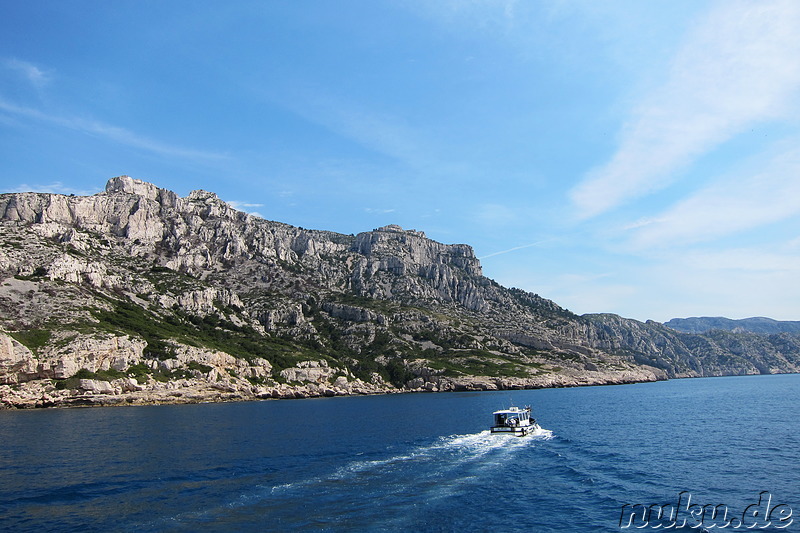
(400,251)
(189,292)
(407,264)
(15,360)
(350,313)
(93,354)
(201,233)
(119,211)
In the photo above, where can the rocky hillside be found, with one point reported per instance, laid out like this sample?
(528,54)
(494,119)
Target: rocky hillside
(759,324)
(136,295)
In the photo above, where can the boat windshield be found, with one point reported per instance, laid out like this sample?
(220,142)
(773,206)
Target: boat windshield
(502,416)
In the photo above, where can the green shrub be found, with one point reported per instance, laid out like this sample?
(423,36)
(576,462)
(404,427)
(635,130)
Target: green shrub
(33,339)
(398,373)
(194,365)
(102,375)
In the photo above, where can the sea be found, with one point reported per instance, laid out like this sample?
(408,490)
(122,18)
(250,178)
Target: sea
(634,457)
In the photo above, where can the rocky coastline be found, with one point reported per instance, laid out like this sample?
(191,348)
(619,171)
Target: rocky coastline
(127,392)
(139,296)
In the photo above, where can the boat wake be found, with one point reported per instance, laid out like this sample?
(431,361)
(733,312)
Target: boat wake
(424,473)
(419,475)
(460,449)
(486,441)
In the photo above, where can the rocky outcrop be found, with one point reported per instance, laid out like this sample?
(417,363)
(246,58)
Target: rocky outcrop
(128,391)
(16,360)
(417,267)
(309,372)
(93,354)
(352,313)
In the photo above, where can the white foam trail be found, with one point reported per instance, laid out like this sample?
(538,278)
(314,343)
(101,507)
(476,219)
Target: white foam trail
(471,447)
(458,450)
(486,441)
(542,434)
(361,466)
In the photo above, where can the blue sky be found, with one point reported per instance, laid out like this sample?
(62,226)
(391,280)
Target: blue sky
(638,158)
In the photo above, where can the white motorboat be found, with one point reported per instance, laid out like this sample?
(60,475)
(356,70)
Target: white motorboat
(514,421)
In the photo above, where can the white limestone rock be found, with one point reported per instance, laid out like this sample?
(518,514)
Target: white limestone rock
(16,360)
(309,371)
(95,386)
(93,353)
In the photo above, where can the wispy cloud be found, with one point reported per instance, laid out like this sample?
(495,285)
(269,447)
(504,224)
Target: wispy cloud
(242,205)
(378,211)
(33,74)
(497,215)
(728,206)
(514,249)
(736,67)
(110,132)
(381,132)
(246,207)
(55,187)
(744,259)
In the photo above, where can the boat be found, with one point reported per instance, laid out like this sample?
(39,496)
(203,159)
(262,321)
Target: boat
(514,421)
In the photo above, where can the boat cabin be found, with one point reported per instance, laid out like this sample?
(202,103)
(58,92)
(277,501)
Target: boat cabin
(513,416)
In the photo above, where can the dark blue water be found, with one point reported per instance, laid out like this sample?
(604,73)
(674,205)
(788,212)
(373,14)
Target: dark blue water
(421,462)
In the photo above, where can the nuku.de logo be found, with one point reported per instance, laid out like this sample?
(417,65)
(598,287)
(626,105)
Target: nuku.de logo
(685,514)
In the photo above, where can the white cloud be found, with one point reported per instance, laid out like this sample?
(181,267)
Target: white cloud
(109,132)
(514,249)
(382,132)
(497,215)
(728,206)
(743,259)
(374,210)
(736,67)
(387,134)
(591,293)
(642,222)
(33,74)
(246,207)
(55,187)
(242,205)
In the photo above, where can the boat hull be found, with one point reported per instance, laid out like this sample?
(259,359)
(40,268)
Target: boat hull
(519,431)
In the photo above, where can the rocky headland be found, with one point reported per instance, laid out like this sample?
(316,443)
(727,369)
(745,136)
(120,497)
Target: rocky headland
(136,296)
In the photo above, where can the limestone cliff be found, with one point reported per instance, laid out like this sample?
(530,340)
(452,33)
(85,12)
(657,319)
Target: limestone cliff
(139,295)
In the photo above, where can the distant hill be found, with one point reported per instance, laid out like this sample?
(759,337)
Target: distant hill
(757,324)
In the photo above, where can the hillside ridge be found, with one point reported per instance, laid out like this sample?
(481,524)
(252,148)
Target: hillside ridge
(138,295)
(758,324)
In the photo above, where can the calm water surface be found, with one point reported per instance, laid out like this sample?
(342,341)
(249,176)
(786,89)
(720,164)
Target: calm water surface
(420,462)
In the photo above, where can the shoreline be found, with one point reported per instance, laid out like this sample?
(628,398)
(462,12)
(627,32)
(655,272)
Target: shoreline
(196,393)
